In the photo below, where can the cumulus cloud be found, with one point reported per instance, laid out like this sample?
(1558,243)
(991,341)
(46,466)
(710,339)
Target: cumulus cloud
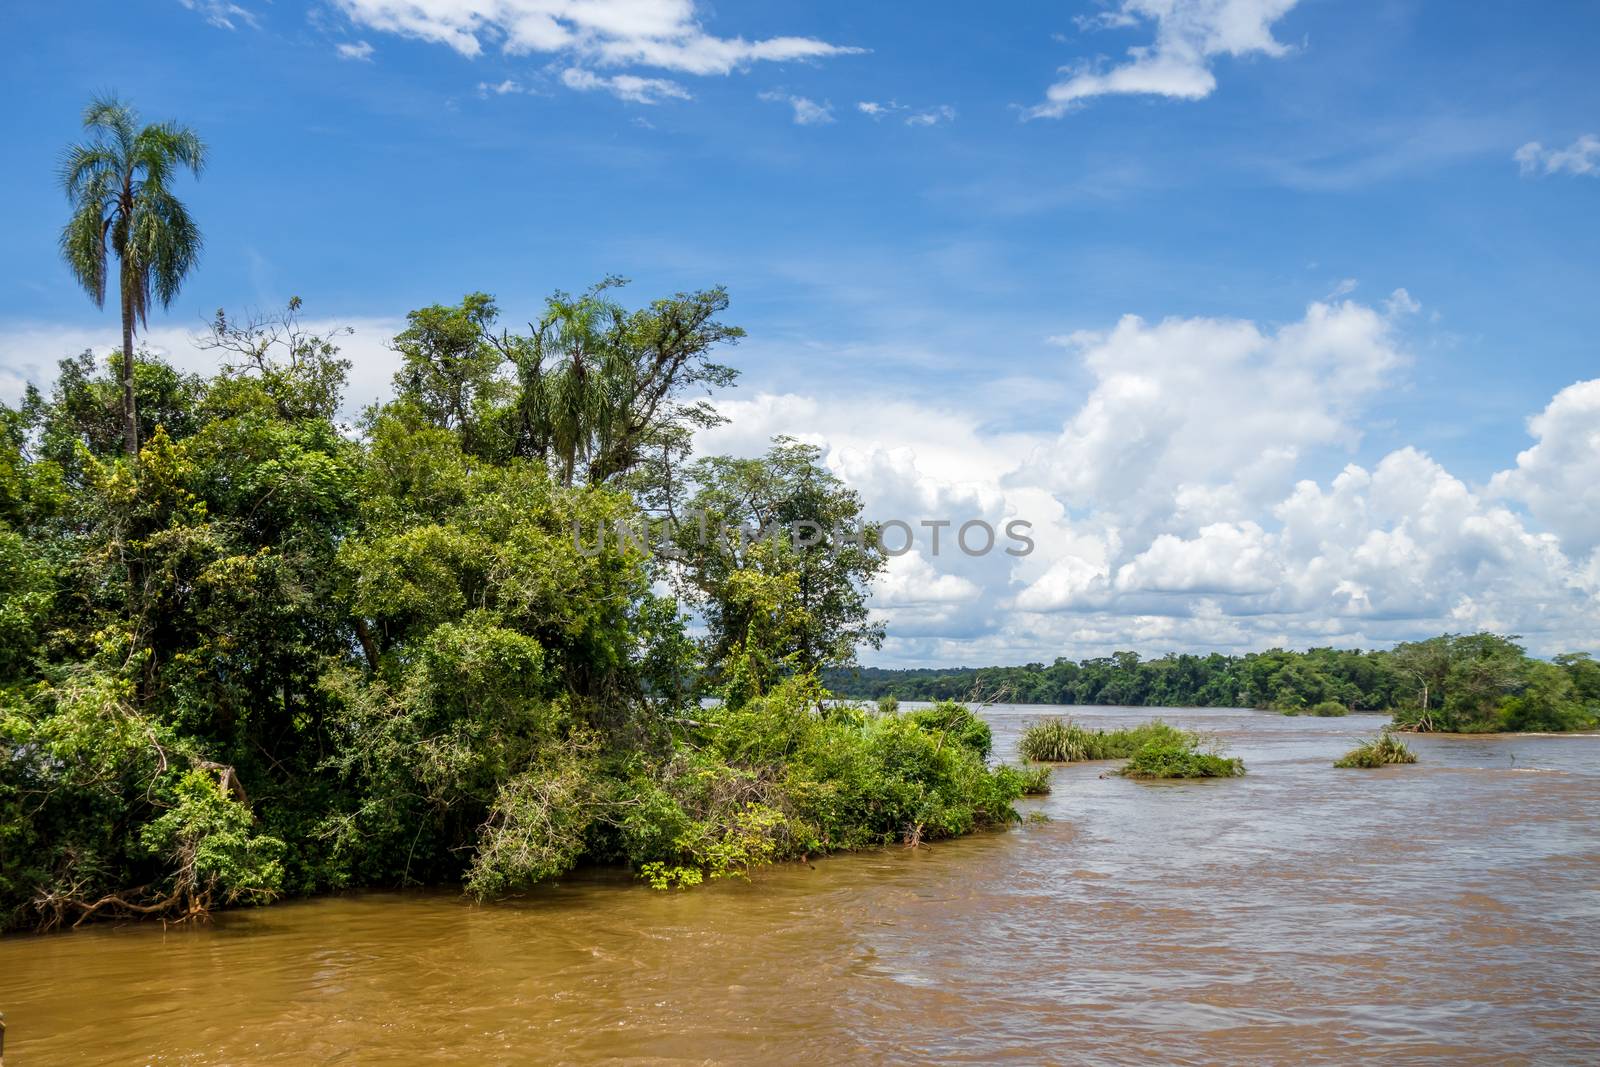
(807,112)
(1558,479)
(666,34)
(1189,35)
(1191,420)
(1580,157)
(360,51)
(627,87)
(1172,510)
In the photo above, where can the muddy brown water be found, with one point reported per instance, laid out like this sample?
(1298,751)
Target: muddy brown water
(1447,912)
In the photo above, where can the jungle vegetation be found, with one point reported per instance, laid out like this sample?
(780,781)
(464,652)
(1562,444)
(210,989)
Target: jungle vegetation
(267,653)
(250,649)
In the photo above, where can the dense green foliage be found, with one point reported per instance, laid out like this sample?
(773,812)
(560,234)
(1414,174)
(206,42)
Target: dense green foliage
(1179,758)
(1060,740)
(1471,682)
(271,655)
(1377,752)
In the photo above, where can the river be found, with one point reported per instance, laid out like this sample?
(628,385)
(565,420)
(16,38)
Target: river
(1443,912)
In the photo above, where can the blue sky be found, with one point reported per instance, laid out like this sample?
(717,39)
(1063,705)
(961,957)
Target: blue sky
(955,258)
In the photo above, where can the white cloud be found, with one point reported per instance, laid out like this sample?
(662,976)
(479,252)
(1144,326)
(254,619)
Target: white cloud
(360,51)
(1558,479)
(1580,157)
(807,112)
(1189,35)
(1231,558)
(627,87)
(507,87)
(222,14)
(910,581)
(1190,420)
(666,34)
(931,116)
(1401,303)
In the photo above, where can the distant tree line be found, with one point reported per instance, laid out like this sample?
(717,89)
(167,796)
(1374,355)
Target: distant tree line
(1452,682)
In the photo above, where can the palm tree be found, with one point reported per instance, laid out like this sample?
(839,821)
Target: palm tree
(120,187)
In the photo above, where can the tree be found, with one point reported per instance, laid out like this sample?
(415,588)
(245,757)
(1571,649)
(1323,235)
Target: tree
(451,371)
(300,369)
(120,186)
(610,399)
(763,557)
(595,391)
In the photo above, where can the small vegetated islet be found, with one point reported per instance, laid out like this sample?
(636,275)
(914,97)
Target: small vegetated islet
(1324,709)
(1377,752)
(1180,758)
(1153,749)
(1060,740)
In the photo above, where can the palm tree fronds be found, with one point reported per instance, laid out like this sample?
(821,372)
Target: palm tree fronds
(83,246)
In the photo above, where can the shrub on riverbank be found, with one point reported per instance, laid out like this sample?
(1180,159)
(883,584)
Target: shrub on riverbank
(1034,781)
(1060,740)
(1377,752)
(774,780)
(1179,758)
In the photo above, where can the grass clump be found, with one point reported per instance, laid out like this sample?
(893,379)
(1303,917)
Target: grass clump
(1377,752)
(1180,758)
(1060,740)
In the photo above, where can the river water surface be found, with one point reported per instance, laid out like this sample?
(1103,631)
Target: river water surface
(1444,912)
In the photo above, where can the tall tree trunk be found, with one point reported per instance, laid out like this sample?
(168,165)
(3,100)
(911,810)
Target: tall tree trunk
(130,415)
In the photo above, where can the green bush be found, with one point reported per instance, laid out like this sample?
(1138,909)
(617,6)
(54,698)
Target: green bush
(1033,781)
(888,704)
(1377,752)
(775,780)
(1179,759)
(1060,740)
(957,721)
(1328,709)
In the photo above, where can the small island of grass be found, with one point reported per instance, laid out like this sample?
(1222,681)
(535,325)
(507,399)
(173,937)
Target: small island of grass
(1153,749)
(1060,740)
(1377,752)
